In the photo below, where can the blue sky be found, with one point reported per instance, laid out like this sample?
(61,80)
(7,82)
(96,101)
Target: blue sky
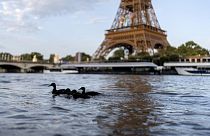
(68,26)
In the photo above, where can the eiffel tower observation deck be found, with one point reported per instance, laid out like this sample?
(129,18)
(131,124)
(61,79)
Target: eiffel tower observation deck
(135,28)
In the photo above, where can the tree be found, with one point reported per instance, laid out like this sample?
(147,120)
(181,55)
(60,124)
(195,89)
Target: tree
(191,48)
(29,57)
(26,57)
(68,58)
(85,57)
(117,55)
(143,56)
(100,59)
(170,54)
(38,55)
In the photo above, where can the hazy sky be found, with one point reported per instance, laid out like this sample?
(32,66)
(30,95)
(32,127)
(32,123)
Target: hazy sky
(68,26)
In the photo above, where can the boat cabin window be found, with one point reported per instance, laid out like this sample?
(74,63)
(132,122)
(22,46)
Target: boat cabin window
(204,60)
(193,60)
(198,60)
(187,60)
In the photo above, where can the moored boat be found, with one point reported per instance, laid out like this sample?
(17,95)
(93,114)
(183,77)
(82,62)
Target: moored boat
(61,71)
(70,71)
(192,71)
(189,68)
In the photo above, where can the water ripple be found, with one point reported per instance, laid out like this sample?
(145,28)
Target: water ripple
(130,105)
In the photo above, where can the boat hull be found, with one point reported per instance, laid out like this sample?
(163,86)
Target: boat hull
(192,72)
(61,72)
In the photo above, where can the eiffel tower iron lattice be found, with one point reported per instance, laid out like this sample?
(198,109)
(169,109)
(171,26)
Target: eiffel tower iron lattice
(135,28)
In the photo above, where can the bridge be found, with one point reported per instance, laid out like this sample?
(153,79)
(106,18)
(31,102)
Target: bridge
(117,67)
(24,67)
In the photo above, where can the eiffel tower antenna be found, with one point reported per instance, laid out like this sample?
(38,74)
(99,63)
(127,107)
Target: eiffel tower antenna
(135,28)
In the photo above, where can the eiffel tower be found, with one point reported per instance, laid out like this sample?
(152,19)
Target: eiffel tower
(135,28)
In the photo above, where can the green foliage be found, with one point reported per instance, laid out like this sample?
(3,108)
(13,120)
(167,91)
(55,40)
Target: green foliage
(192,49)
(170,54)
(29,57)
(39,56)
(119,53)
(26,57)
(68,58)
(114,59)
(86,57)
(101,59)
(143,56)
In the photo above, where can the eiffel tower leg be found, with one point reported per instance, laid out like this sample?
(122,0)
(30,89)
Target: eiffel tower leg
(98,54)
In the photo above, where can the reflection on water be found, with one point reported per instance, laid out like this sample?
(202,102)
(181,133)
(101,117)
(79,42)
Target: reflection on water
(134,115)
(130,105)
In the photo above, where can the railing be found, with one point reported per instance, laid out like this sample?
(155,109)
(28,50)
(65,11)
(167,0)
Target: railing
(143,26)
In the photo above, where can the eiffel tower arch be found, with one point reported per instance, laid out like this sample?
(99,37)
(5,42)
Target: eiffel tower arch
(135,28)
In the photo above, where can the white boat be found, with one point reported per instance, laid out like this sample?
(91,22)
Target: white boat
(70,71)
(53,70)
(61,71)
(192,71)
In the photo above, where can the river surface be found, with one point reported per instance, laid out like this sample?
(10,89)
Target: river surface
(130,105)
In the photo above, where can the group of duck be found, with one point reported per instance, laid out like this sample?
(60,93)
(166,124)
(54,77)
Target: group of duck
(74,93)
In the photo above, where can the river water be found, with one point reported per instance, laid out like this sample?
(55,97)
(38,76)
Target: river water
(130,105)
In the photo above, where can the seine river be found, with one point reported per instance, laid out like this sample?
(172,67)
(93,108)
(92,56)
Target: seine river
(131,105)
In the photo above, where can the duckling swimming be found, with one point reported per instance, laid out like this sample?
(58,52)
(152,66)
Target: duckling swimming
(92,93)
(68,91)
(77,95)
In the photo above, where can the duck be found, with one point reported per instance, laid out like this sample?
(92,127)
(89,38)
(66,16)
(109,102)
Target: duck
(92,93)
(77,95)
(68,91)
(60,91)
